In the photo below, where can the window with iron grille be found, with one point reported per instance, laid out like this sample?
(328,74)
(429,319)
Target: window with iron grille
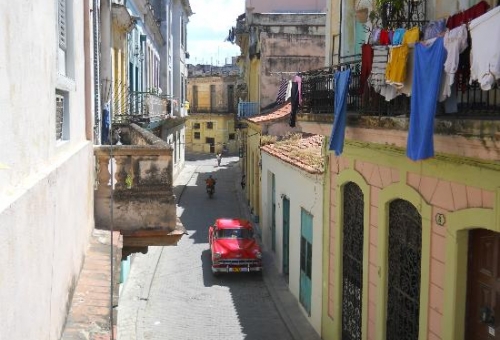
(62,118)
(405,254)
(210,125)
(196,135)
(232,136)
(196,126)
(352,261)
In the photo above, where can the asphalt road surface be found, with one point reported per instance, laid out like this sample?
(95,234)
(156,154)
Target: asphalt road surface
(171,293)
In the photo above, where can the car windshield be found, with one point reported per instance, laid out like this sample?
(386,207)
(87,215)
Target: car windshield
(234,233)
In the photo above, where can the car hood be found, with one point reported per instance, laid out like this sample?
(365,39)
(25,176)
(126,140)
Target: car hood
(229,248)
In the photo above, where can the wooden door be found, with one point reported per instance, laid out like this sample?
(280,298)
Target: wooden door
(483,287)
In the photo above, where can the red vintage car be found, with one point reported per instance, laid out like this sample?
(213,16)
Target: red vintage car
(233,246)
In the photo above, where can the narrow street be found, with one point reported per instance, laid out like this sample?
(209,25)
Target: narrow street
(171,293)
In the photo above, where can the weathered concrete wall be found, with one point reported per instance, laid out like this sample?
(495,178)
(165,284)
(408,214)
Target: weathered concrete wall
(222,101)
(288,53)
(46,195)
(266,6)
(223,129)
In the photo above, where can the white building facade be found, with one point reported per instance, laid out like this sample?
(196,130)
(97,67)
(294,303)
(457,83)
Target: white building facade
(46,191)
(291,227)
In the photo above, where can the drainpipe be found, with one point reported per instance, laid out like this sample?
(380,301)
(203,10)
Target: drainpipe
(340,31)
(88,76)
(106,75)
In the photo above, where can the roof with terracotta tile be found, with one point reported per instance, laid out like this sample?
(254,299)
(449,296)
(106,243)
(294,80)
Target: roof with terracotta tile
(302,150)
(278,113)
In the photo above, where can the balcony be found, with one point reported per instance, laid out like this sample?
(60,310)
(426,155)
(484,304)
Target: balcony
(473,129)
(139,107)
(248,109)
(318,97)
(139,190)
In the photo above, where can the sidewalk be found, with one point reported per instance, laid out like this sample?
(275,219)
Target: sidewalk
(286,304)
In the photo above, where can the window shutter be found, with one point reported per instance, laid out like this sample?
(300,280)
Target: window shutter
(61,23)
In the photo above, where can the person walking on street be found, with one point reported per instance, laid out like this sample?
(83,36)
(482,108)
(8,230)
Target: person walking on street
(219,158)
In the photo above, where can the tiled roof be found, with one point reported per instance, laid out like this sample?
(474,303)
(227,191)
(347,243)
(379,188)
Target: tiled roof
(302,150)
(273,115)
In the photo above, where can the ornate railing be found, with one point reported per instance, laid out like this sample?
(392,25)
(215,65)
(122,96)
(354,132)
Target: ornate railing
(131,106)
(318,96)
(139,187)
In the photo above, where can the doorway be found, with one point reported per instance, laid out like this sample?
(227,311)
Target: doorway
(211,143)
(286,236)
(306,239)
(483,286)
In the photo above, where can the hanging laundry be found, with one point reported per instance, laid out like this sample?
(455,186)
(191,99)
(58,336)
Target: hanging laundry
(298,79)
(280,99)
(455,42)
(395,73)
(406,89)
(485,49)
(366,65)
(384,37)
(288,90)
(340,109)
(377,76)
(374,38)
(294,99)
(427,72)
(465,16)
(411,36)
(434,29)
(397,38)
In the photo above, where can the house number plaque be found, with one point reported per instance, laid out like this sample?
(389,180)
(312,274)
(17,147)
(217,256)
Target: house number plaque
(440,219)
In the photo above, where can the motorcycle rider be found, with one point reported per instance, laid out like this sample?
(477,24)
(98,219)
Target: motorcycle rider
(210,182)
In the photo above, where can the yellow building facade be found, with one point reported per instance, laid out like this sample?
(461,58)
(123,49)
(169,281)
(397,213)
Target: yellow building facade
(211,133)
(210,125)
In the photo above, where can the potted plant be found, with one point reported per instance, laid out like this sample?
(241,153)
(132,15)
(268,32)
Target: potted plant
(388,10)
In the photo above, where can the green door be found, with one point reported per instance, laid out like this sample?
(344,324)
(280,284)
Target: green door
(273,217)
(306,237)
(286,236)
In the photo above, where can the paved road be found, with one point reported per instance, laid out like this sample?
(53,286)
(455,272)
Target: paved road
(171,293)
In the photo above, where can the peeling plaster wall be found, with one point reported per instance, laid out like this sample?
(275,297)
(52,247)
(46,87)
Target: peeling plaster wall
(46,195)
(288,53)
(266,6)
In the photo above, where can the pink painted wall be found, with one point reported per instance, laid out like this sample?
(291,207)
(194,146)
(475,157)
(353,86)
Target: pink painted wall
(277,6)
(444,196)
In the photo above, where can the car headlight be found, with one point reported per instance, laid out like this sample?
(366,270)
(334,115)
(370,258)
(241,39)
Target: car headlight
(258,254)
(217,255)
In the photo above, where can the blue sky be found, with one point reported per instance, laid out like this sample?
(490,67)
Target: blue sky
(208,27)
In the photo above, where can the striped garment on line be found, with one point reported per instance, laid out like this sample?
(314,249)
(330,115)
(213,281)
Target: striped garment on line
(280,99)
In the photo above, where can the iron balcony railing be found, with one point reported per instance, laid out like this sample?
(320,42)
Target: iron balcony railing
(318,96)
(139,107)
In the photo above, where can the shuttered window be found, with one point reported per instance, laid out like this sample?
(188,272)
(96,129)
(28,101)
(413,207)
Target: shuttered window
(61,18)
